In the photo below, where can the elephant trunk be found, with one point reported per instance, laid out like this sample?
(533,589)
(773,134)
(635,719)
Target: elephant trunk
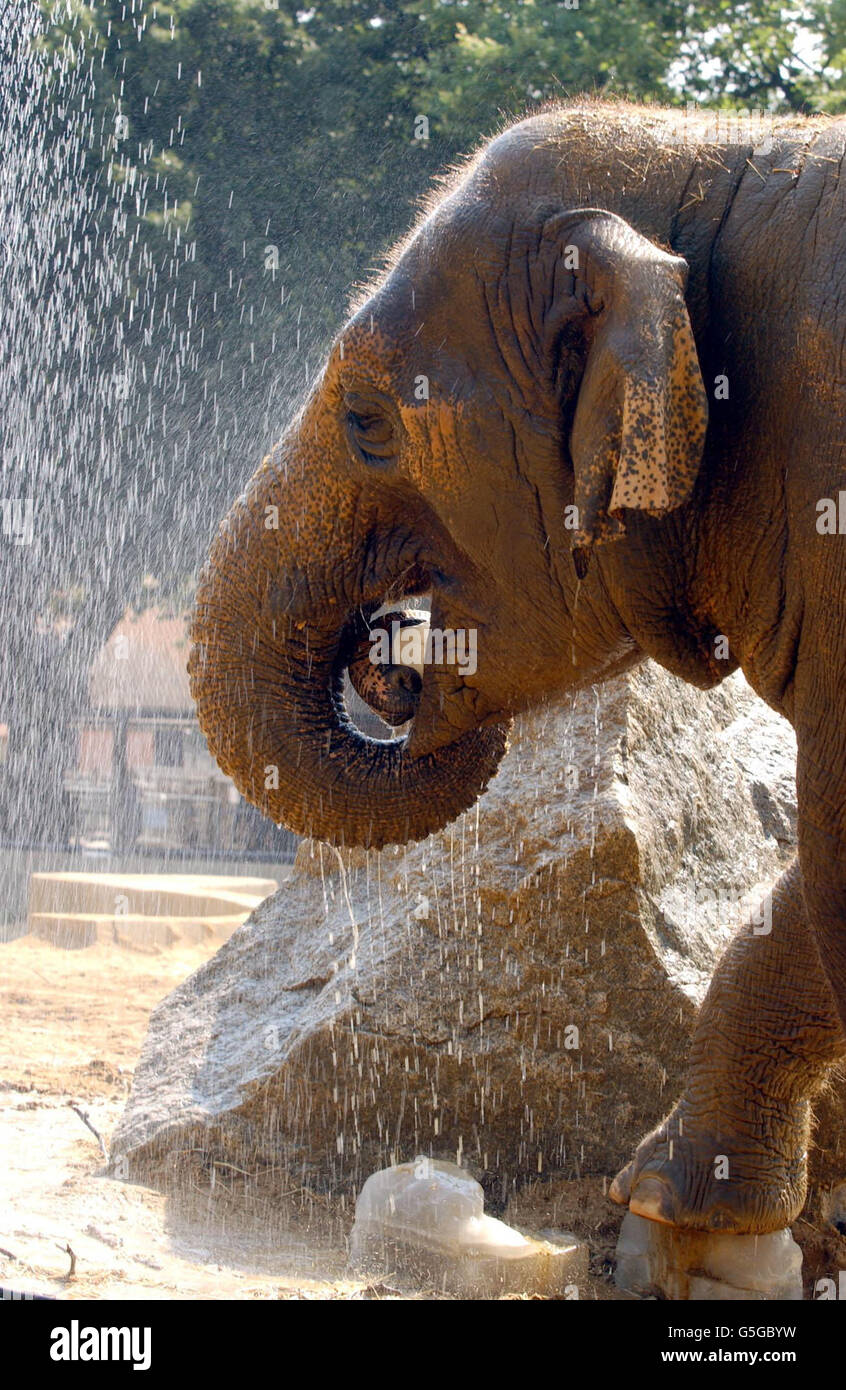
(272,634)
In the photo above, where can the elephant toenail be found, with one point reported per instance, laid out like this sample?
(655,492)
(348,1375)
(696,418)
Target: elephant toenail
(653,1199)
(620,1189)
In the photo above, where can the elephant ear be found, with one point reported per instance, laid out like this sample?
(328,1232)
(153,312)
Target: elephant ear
(640,418)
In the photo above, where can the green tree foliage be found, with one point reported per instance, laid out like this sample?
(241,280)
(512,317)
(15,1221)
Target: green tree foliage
(768,55)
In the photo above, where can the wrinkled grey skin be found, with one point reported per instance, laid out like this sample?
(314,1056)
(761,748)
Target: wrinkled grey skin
(556,381)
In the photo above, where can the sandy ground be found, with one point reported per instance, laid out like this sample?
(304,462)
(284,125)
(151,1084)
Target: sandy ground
(71,1027)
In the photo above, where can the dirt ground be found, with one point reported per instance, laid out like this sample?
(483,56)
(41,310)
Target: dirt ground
(71,1027)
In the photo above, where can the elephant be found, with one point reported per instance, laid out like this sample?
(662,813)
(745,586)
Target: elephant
(593,407)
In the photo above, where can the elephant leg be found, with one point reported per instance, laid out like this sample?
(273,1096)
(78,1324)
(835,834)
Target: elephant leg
(820,723)
(731,1155)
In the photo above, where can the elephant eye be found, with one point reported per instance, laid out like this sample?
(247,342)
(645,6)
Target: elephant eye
(371,429)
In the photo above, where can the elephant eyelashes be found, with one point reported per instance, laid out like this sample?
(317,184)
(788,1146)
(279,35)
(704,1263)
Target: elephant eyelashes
(371,430)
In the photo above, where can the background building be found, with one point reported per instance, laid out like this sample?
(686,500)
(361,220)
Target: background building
(142,777)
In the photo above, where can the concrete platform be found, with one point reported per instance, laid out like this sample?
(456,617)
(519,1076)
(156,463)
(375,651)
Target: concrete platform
(73,910)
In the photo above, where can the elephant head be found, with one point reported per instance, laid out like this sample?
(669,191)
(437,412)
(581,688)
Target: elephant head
(520,385)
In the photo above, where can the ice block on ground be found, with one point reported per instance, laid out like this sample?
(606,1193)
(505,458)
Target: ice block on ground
(425,1222)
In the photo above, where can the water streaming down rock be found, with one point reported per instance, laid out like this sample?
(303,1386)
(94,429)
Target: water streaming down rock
(515,994)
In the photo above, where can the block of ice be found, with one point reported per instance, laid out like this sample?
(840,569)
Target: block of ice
(665,1262)
(426,1221)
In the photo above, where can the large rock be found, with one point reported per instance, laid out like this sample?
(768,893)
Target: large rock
(516,993)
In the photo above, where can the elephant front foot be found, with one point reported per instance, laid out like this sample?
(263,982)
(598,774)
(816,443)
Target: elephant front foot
(698,1176)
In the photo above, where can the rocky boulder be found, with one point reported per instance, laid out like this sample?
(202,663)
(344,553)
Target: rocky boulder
(516,993)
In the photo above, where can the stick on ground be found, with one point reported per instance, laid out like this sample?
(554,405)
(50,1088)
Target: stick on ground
(85,1120)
